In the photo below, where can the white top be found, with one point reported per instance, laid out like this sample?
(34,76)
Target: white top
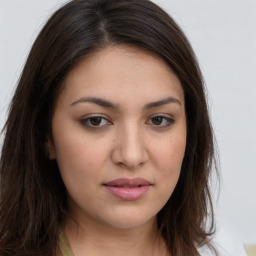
(226,244)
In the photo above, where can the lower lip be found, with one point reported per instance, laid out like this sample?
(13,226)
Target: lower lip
(128,194)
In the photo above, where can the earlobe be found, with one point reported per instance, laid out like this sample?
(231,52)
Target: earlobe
(50,151)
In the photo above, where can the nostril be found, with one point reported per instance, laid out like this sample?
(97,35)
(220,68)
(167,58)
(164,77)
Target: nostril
(129,151)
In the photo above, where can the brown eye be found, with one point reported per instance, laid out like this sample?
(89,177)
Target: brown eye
(95,122)
(157,120)
(161,121)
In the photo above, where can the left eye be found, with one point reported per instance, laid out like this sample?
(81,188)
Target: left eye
(94,121)
(161,121)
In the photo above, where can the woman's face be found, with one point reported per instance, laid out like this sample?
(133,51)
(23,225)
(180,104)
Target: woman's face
(119,136)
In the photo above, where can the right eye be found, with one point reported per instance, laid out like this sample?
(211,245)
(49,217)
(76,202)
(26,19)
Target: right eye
(95,122)
(161,121)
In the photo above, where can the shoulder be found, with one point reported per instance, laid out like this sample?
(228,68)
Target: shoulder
(226,244)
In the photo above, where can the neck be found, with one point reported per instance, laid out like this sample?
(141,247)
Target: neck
(92,238)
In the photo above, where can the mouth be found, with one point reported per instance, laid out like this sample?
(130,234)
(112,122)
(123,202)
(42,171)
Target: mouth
(128,189)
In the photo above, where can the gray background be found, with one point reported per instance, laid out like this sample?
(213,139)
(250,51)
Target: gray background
(223,35)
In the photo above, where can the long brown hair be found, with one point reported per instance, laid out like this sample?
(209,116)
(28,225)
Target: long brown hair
(33,197)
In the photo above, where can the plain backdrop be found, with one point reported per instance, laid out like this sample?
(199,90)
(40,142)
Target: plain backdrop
(223,35)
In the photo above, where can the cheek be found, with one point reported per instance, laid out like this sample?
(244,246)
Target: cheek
(170,153)
(76,149)
(168,161)
(80,165)
(169,149)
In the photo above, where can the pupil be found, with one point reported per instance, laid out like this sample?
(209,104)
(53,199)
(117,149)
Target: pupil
(95,120)
(157,120)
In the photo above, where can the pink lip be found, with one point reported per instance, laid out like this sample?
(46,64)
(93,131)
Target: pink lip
(128,189)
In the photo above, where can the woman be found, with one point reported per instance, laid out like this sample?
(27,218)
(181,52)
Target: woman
(108,145)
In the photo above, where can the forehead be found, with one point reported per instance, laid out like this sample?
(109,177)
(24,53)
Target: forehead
(118,71)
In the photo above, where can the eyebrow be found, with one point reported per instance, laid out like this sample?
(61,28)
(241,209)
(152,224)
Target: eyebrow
(108,104)
(98,101)
(161,102)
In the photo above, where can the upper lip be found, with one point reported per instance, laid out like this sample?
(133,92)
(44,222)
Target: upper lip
(126,182)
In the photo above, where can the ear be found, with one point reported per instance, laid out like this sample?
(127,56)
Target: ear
(50,150)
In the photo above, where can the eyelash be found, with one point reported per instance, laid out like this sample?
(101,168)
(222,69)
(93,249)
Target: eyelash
(87,122)
(168,121)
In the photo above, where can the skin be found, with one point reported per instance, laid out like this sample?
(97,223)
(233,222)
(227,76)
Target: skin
(126,140)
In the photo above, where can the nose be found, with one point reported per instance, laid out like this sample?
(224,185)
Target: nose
(130,147)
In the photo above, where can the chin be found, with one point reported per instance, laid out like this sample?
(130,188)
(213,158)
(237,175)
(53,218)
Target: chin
(131,220)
